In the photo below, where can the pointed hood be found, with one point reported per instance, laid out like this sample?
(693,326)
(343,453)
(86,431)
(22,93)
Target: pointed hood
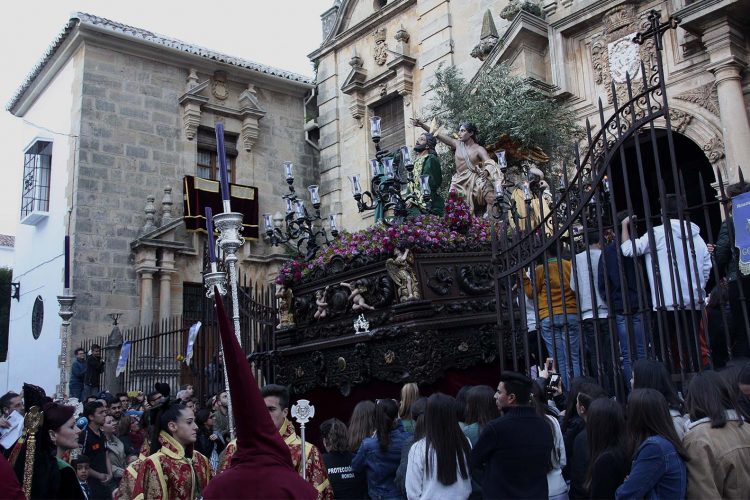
(262,465)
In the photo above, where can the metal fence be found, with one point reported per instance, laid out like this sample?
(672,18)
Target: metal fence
(615,263)
(157,351)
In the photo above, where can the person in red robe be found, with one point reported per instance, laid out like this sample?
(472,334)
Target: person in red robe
(276,398)
(9,486)
(129,477)
(175,471)
(261,466)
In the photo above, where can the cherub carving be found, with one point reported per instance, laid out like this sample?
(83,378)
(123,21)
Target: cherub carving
(320,301)
(356,296)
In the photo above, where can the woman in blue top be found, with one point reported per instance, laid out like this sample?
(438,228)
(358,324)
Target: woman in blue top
(658,469)
(380,455)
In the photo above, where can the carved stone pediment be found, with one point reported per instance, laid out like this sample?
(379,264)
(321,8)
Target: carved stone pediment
(361,90)
(198,99)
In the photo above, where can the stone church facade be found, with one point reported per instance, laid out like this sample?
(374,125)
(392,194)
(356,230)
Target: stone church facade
(379,58)
(134,116)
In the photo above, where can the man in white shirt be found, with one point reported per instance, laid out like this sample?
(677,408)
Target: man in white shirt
(594,313)
(679,287)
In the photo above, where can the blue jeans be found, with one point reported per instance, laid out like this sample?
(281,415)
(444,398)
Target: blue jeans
(553,327)
(639,339)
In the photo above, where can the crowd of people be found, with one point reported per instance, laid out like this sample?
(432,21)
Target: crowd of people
(599,305)
(528,438)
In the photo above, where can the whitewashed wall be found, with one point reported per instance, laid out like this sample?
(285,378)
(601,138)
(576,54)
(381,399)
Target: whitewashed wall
(38,261)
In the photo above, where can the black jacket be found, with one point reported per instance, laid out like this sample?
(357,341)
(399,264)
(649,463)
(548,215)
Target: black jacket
(514,451)
(579,466)
(94,370)
(205,446)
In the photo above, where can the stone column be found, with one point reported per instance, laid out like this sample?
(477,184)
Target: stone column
(145,266)
(165,284)
(147,296)
(725,44)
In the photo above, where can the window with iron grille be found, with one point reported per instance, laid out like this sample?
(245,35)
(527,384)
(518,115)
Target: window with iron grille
(193,302)
(208,161)
(37,167)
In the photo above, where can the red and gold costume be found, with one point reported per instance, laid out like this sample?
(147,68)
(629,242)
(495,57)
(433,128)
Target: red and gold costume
(169,474)
(127,484)
(226,456)
(129,477)
(315,470)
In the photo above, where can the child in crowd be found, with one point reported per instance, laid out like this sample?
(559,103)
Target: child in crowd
(81,466)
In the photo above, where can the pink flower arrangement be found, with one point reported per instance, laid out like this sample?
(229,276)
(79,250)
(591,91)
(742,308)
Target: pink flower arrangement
(457,231)
(457,212)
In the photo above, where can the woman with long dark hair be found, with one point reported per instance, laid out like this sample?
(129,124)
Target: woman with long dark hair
(379,455)
(717,441)
(174,470)
(658,469)
(653,374)
(438,463)
(361,424)
(49,432)
(480,410)
(605,432)
(572,423)
(208,442)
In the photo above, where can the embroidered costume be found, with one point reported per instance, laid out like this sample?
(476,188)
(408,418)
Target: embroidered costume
(315,470)
(129,477)
(226,456)
(169,474)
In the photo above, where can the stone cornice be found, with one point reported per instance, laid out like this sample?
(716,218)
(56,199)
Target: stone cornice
(153,239)
(583,18)
(337,40)
(165,51)
(699,11)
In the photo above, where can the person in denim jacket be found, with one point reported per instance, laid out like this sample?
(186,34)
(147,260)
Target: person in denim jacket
(380,454)
(658,469)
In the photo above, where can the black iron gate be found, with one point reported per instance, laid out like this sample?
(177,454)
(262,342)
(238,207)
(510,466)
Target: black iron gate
(598,273)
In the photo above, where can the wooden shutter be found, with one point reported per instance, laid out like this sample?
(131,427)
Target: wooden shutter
(391,115)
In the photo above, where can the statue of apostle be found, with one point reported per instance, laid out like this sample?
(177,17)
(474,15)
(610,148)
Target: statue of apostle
(475,173)
(426,162)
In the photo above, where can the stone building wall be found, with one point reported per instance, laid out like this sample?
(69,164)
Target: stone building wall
(134,144)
